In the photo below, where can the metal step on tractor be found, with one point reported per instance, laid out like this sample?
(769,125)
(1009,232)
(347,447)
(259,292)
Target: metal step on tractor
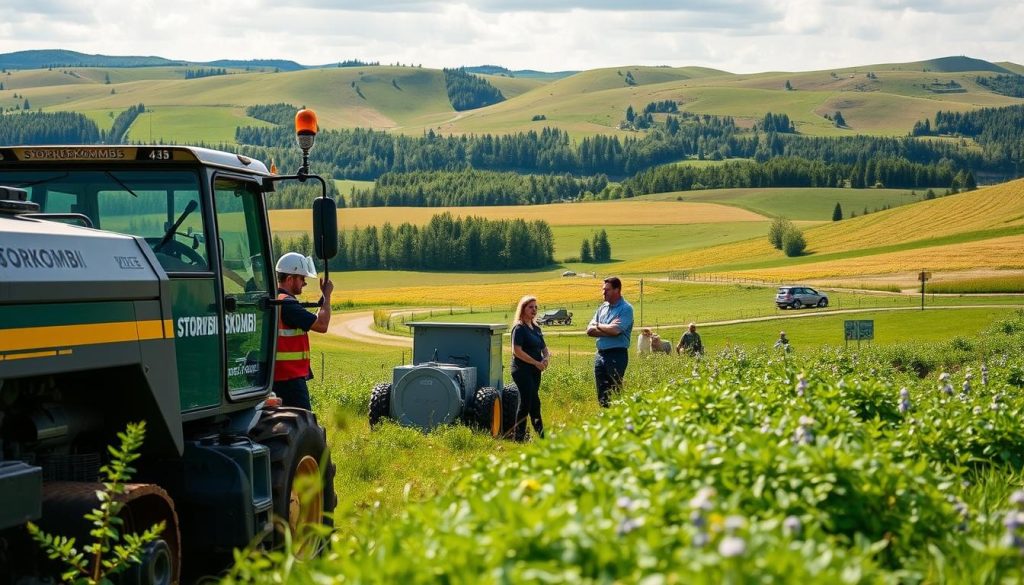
(455,376)
(136,283)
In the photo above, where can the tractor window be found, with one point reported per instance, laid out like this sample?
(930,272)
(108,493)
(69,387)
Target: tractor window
(249,330)
(241,232)
(139,203)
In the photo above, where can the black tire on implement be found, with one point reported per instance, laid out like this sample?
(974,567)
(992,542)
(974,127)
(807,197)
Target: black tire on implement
(486,410)
(298,451)
(380,403)
(510,401)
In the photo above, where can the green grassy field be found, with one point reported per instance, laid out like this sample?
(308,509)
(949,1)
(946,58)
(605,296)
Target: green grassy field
(345,186)
(164,124)
(800,204)
(675,304)
(640,241)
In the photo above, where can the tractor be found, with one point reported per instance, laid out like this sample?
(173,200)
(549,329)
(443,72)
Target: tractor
(455,376)
(136,283)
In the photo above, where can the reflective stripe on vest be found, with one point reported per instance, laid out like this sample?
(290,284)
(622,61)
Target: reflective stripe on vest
(292,358)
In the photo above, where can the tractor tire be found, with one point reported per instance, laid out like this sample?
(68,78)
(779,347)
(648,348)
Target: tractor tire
(510,402)
(568,321)
(298,451)
(380,403)
(486,411)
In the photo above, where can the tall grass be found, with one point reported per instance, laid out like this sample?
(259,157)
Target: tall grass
(987,284)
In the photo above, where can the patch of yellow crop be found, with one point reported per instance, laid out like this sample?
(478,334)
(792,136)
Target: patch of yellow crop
(562,290)
(1000,206)
(758,249)
(994,207)
(630,212)
(996,253)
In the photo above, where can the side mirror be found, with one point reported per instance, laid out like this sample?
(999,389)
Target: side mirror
(325,228)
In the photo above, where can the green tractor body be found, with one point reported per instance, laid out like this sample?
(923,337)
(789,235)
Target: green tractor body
(137,283)
(456,375)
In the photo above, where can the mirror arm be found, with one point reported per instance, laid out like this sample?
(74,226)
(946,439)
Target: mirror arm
(302,176)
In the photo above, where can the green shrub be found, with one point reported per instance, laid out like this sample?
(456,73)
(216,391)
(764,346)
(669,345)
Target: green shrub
(777,230)
(793,243)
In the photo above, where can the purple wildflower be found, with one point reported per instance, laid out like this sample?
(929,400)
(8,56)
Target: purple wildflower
(1017,499)
(628,525)
(702,501)
(732,546)
(801,385)
(792,526)
(904,401)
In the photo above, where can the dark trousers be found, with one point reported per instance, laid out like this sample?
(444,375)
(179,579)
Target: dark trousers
(609,369)
(293,393)
(527,379)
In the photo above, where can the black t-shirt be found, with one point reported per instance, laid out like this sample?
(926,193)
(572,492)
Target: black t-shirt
(531,339)
(294,315)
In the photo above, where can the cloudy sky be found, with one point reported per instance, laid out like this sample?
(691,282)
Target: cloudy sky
(735,35)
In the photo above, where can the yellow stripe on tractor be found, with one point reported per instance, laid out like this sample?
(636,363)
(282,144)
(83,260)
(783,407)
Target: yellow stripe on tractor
(27,339)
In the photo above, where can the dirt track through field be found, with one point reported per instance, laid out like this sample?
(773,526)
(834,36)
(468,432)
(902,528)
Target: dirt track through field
(359,326)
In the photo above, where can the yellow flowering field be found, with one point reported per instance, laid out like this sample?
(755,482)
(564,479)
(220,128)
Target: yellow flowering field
(995,253)
(1000,206)
(994,207)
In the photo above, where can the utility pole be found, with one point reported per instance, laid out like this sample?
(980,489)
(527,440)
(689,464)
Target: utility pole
(923,277)
(641,302)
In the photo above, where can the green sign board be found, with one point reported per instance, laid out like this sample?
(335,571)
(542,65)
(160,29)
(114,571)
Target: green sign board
(858,330)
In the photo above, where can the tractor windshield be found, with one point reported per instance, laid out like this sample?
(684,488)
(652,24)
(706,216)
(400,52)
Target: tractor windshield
(160,206)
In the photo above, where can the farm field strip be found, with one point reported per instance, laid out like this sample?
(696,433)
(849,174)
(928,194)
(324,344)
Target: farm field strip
(977,215)
(616,212)
(798,204)
(994,253)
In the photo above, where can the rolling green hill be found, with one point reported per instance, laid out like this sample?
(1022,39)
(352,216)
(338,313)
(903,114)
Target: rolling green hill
(880,99)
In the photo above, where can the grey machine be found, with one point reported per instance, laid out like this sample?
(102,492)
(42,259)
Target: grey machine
(455,375)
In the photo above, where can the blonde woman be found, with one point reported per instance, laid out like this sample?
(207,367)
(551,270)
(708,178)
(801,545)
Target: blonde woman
(529,359)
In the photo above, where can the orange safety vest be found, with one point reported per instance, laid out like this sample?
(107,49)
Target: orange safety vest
(292,360)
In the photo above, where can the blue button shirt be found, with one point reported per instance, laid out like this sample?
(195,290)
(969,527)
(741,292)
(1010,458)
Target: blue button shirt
(605,314)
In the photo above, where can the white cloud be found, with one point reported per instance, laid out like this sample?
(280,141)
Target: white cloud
(736,35)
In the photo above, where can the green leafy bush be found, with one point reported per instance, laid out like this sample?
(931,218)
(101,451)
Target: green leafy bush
(793,242)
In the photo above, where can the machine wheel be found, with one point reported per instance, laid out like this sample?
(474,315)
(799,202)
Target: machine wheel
(797,304)
(510,402)
(568,321)
(301,475)
(380,402)
(65,504)
(823,303)
(486,413)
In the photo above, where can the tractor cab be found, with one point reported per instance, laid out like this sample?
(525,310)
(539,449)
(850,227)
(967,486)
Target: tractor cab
(201,214)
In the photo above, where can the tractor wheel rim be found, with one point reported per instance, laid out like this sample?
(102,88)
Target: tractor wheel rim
(496,418)
(305,505)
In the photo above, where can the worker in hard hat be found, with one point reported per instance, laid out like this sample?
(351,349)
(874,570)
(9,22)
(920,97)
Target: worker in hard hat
(291,369)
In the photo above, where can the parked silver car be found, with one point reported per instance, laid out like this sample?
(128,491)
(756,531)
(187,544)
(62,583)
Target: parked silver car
(795,297)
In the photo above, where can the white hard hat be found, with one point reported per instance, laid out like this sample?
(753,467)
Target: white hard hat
(295,263)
